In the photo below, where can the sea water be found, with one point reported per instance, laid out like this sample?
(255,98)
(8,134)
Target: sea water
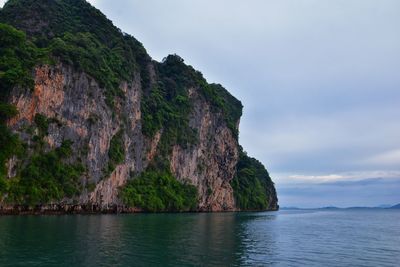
(283,238)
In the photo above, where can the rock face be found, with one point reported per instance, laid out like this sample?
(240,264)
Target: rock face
(210,165)
(76,103)
(76,107)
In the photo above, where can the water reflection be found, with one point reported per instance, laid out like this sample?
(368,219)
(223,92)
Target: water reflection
(295,238)
(97,241)
(133,240)
(258,238)
(187,239)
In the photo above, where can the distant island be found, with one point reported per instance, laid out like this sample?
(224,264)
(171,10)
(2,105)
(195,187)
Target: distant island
(385,206)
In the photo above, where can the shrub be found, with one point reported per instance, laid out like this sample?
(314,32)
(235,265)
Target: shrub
(252,185)
(7,111)
(167,104)
(42,123)
(17,58)
(155,191)
(116,153)
(46,178)
(10,144)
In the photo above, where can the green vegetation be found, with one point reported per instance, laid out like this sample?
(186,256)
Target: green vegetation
(90,186)
(17,58)
(221,99)
(116,153)
(174,70)
(167,106)
(252,185)
(45,179)
(157,192)
(42,123)
(75,33)
(7,111)
(85,52)
(81,36)
(10,145)
(177,78)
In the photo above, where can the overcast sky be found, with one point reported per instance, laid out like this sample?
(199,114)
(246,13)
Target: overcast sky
(319,81)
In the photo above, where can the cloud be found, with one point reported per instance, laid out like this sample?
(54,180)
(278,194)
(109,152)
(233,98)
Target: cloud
(363,182)
(344,193)
(298,179)
(389,158)
(324,141)
(319,178)
(362,188)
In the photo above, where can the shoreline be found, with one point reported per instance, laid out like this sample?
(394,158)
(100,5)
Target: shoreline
(69,209)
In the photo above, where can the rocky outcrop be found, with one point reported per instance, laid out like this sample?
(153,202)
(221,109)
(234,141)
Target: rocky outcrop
(76,107)
(210,165)
(75,104)
(158,114)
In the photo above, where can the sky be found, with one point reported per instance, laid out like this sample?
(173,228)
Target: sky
(319,81)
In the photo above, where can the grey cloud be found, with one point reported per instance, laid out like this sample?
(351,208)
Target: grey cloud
(368,192)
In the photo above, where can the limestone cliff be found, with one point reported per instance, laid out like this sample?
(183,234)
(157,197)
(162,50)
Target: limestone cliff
(97,93)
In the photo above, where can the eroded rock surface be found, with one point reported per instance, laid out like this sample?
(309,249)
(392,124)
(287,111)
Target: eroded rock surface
(76,107)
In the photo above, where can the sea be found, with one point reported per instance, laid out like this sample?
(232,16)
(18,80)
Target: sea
(348,237)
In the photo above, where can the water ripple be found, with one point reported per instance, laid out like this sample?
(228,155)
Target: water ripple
(286,238)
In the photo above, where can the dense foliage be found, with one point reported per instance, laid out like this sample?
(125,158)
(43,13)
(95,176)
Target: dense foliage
(46,178)
(10,145)
(228,104)
(252,185)
(81,36)
(176,74)
(46,19)
(167,105)
(42,124)
(17,58)
(156,191)
(116,153)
